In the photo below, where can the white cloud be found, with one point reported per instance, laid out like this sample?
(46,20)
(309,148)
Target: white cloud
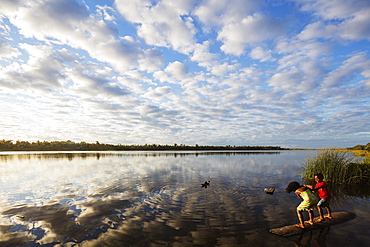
(218,13)
(9,6)
(333,9)
(308,48)
(249,31)
(158,95)
(348,20)
(72,24)
(95,85)
(161,76)
(161,23)
(107,13)
(176,70)
(202,55)
(7,51)
(43,71)
(151,60)
(287,80)
(349,70)
(262,55)
(223,69)
(358,27)
(303,61)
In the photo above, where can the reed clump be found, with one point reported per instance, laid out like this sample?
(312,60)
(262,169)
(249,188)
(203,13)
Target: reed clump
(337,167)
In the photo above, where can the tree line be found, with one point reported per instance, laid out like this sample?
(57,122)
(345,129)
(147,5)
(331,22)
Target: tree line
(9,145)
(361,147)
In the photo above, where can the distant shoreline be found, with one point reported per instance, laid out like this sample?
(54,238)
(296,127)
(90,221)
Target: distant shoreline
(8,145)
(22,146)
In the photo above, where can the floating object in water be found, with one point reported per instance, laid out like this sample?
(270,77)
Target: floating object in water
(270,190)
(206,184)
(291,230)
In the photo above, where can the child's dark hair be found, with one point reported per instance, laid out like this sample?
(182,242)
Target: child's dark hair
(319,176)
(293,186)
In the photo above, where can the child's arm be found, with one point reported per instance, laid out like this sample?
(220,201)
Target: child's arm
(308,186)
(298,194)
(318,188)
(323,186)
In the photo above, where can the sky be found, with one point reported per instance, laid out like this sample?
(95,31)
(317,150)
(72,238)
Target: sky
(289,73)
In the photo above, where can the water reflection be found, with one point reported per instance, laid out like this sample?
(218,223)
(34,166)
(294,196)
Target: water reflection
(9,156)
(125,199)
(306,239)
(357,191)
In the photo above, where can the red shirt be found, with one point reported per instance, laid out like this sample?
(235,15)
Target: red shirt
(324,191)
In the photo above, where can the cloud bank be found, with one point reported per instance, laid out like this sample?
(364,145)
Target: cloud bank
(293,74)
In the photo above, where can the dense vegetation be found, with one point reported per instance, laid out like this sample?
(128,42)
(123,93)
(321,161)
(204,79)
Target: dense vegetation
(360,147)
(359,150)
(8,145)
(337,167)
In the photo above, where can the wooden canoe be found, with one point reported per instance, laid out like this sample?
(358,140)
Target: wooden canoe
(291,230)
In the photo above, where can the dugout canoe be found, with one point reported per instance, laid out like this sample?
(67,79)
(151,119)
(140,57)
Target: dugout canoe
(291,230)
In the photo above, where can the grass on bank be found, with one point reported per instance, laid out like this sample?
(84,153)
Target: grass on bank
(337,167)
(358,153)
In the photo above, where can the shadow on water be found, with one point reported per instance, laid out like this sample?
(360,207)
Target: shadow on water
(151,199)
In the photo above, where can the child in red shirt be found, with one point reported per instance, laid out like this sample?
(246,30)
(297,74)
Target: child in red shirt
(324,195)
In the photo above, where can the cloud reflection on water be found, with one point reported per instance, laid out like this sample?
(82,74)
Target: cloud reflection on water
(139,199)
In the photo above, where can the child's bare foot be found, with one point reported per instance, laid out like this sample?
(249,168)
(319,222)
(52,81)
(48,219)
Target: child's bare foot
(320,220)
(300,226)
(309,222)
(329,217)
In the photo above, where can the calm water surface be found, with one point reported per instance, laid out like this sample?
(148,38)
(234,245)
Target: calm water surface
(156,199)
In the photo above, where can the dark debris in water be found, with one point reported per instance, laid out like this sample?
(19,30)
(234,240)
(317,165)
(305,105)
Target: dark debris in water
(270,190)
(206,184)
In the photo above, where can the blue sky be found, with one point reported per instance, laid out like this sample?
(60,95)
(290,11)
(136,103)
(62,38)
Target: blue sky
(215,72)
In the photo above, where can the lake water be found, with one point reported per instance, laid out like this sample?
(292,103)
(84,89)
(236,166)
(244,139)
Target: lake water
(156,199)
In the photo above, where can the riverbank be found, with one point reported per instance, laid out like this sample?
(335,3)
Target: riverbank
(358,153)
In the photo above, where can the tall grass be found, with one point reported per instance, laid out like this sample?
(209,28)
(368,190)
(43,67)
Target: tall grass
(337,168)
